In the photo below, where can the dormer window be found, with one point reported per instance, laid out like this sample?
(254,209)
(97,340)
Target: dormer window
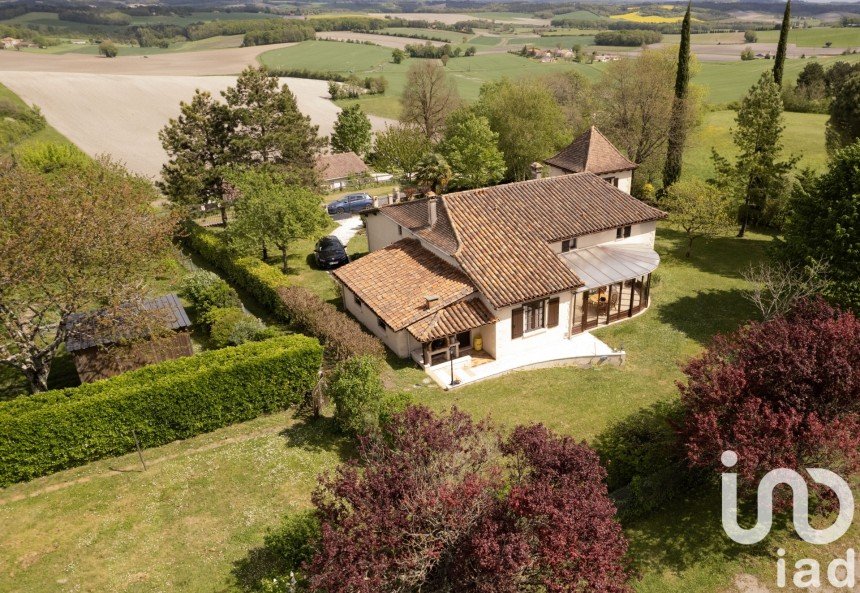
(623,232)
(612,181)
(568,245)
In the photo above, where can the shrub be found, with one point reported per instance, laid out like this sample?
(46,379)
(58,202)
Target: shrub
(172,400)
(206,291)
(747,54)
(231,326)
(750,36)
(294,541)
(47,157)
(357,391)
(343,336)
(108,49)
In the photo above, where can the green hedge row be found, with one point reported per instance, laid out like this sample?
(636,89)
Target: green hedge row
(172,400)
(258,278)
(342,335)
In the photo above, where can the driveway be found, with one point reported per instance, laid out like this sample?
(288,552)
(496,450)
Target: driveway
(347,227)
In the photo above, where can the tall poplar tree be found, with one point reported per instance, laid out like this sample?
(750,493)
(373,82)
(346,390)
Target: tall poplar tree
(677,126)
(779,63)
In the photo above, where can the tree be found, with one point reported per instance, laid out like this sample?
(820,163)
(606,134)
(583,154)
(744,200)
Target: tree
(258,123)
(399,149)
(757,178)
(471,149)
(439,505)
(433,173)
(70,241)
(398,55)
(750,36)
(573,93)
(270,128)
(198,146)
(271,210)
(528,121)
(429,98)
(678,122)
(777,287)
(781,394)
(636,98)
(351,131)
(747,54)
(108,49)
(823,223)
(357,392)
(699,209)
(782,46)
(843,127)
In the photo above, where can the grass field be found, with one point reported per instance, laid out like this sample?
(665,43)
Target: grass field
(816,37)
(203,504)
(450,36)
(579,15)
(220,42)
(803,136)
(46,134)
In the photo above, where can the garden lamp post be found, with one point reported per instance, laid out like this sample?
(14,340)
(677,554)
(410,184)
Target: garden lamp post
(451,350)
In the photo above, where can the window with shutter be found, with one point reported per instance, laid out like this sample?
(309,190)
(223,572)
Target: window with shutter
(565,246)
(517,323)
(552,315)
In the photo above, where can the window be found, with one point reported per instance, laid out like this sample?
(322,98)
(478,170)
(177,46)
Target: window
(533,316)
(568,244)
(399,230)
(357,300)
(623,232)
(612,181)
(381,323)
(627,231)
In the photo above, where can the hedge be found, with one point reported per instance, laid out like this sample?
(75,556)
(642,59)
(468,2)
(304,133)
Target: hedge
(177,399)
(342,335)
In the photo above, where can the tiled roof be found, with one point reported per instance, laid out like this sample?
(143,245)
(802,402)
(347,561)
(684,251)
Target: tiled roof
(396,281)
(500,235)
(591,152)
(340,165)
(85,332)
(453,319)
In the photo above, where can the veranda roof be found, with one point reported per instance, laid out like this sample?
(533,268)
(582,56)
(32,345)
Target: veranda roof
(602,265)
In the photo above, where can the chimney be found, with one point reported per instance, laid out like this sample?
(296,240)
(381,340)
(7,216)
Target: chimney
(431,210)
(431,299)
(537,170)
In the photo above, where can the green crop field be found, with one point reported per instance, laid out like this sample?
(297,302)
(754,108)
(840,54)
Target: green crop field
(501,15)
(579,15)
(449,36)
(220,42)
(816,37)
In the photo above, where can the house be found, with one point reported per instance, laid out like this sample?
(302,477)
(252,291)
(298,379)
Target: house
(99,352)
(594,153)
(477,283)
(339,169)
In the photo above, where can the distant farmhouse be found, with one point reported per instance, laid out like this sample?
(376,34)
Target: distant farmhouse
(477,283)
(100,352)
(340,169)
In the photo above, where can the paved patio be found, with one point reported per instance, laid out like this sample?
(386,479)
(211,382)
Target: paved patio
(581,350)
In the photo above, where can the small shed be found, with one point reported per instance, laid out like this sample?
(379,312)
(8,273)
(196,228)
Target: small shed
(336,170)
(99,354)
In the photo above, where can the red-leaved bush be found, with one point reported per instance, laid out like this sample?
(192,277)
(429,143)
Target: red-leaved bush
(782,393)
(443,504)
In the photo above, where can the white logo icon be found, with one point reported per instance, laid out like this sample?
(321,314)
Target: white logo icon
(800,493)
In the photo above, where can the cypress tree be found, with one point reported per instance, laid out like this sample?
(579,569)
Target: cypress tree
(779,64)
(677,130)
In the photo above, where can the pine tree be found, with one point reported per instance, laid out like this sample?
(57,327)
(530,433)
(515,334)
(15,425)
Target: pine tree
(677,129)
(779,63)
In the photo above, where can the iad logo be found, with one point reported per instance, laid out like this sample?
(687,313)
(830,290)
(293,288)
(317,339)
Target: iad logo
(840,573)
(801,504)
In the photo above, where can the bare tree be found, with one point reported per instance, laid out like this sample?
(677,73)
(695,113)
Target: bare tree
(777,286)
(429,98)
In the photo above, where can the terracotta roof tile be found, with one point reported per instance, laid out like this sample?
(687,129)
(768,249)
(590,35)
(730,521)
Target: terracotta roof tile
(340,165)
(396,281)
(453,319)
(500,235)
(591,152)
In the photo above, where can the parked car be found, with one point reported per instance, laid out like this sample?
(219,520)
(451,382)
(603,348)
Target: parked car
(351,203)
(330,253)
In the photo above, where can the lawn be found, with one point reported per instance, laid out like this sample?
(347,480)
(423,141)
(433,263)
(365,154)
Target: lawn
(803,136)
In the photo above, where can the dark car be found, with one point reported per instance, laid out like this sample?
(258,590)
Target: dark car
(330,253)
(351,203)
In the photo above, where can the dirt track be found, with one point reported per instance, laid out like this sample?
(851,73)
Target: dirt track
(118,106)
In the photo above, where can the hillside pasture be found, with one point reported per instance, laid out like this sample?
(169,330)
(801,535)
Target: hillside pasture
(842,37)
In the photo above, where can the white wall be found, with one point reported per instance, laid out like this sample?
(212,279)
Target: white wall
(382,231)
(639,234)
(625,178)
(505,346)
(397,341)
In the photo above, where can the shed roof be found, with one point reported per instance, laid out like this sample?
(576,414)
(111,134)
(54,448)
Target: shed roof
(340,165)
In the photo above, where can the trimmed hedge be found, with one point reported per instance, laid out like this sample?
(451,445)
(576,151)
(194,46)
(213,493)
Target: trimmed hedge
(177,399)
(342,335)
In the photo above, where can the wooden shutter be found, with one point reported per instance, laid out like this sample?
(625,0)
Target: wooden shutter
(552,317)
(517,323)
(565,246)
